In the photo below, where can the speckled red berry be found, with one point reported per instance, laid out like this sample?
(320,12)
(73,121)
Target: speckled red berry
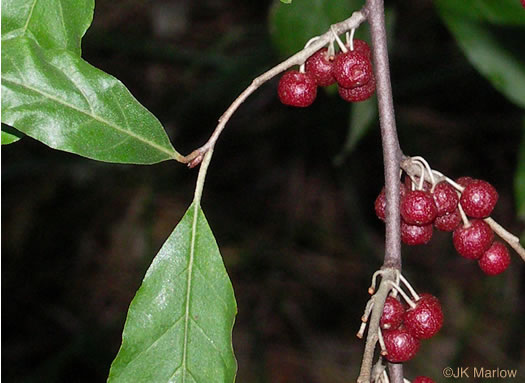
(415,234)
(359,93)
(448,222)
(423,379)
(464,181)
(392,316)
(418,208)
(495,260)
(319,66)
(478,199)
(426,319)
(400,345)
(445,197)
(362,46)
(297,89)
(380,202)
(473,240)
(352,69)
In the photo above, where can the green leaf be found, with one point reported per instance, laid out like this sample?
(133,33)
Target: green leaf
(179,324)
(286,1)
(504,71)
(362,115)
(56,97)
(51,23)
(10,134)
(291,26)
(504,12)
(519,178)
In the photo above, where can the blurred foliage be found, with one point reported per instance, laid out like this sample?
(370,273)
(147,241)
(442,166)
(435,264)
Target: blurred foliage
(298,235)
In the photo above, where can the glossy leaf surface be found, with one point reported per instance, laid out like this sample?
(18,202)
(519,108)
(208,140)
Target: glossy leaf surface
(180,322)
(52,95)
(51,23)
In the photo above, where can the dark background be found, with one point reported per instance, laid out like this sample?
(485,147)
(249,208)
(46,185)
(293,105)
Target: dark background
(298,233)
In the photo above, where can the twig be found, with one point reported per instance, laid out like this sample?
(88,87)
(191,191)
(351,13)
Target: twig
(195,157)
(387,278)
(510,238)
(392,155)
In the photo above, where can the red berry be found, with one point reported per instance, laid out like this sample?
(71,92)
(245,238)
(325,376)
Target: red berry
(495,260)
(473,240)
(448,222)
(352,69)
(362,46)
(464,181)
(415,234)
(392,314)
(445,197)
(400,345)
(297,89)
(478,199)
(423,379)
(418,208)
(523,3)
(426,319)
(380,202)
(319,65)
(359,93)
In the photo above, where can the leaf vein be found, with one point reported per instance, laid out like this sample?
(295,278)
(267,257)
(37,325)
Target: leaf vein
(212,288)
(210,341)
(93,116)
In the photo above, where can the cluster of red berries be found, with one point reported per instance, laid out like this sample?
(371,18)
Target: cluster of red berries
(403,327)
(441,206)
(351,69)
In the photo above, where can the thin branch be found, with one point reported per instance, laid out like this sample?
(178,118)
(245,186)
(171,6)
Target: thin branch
(392,155)
(195,157)
(387,278)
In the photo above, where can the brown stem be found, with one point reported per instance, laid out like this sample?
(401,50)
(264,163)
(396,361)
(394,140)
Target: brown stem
(195,157)
(391,158)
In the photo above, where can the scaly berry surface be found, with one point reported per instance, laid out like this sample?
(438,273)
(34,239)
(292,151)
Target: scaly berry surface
(448,222)
(445,197)
(478,199)
(418,208)
(352,69)
(426,319)
(473,240)
(319,66)
(297,89)
(416,235)
(362,46)
(392,316)
(380,202)
(400,345)
(495,260)
(359,93)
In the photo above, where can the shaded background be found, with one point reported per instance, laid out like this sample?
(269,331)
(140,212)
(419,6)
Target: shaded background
(297,231)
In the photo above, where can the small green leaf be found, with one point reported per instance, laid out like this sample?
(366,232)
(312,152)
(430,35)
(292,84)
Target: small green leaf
(180,322)
(291,26)
(504,12)
(519,178)
(10,134)
(504,71)
(56,97)
(51,23)
(286,1)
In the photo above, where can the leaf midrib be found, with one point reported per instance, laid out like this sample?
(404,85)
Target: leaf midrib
(172,154)
(188,290)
